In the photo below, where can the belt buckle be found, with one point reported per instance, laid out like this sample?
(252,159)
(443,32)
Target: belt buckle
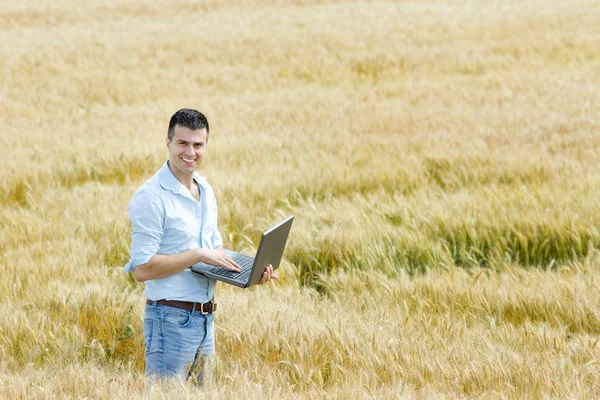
(201,308)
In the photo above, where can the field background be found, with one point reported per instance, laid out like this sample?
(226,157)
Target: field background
(440,157)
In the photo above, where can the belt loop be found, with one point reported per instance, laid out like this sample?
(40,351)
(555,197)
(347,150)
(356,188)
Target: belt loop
(194,307)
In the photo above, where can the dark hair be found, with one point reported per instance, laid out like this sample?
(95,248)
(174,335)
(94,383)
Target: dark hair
(187,118)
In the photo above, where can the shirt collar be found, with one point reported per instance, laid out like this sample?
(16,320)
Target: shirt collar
(169,181)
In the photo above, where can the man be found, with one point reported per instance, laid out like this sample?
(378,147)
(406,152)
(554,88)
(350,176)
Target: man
(174,225)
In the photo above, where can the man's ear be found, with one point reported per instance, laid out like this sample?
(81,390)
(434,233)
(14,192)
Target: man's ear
(168,142)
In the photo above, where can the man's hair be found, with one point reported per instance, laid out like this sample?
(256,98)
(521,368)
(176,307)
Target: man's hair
(187,118)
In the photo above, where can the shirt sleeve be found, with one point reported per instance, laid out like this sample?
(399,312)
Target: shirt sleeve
(147,217)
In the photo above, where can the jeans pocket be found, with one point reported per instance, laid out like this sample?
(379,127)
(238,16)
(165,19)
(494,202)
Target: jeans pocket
(176,317)
(147,333)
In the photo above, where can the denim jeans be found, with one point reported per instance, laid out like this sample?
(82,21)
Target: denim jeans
(179,343)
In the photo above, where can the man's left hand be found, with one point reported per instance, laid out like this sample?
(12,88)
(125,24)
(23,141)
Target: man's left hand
(268,275)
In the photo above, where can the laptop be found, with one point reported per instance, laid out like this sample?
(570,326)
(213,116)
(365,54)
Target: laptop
(270,251)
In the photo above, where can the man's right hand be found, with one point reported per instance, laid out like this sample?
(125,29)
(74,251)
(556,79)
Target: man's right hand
(164,265)
(219,258)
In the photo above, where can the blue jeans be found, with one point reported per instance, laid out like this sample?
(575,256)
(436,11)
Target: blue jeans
(178,343)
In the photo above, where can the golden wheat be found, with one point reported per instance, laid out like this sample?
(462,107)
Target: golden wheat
(439,157)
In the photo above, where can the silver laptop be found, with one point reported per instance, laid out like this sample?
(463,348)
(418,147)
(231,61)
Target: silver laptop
(270,251)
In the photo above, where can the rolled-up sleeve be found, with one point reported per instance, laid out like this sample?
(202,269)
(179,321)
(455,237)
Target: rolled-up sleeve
(147,220)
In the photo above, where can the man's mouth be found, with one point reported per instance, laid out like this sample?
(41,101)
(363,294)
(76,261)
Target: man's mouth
(188,160)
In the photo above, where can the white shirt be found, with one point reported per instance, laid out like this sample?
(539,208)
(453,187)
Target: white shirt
(165,219)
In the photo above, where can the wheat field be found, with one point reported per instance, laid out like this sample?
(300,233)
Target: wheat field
(440,158)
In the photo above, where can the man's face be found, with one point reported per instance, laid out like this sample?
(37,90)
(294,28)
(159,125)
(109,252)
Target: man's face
(186,149)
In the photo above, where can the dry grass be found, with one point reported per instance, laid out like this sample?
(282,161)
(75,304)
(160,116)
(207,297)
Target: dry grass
(440,159)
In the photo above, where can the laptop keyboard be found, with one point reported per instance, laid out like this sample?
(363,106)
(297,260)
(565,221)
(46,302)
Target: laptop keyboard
(245,262)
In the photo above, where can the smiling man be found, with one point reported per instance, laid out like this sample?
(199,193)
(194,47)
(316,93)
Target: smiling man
(174,225)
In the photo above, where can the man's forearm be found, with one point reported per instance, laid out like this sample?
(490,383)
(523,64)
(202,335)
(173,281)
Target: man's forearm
(163,265)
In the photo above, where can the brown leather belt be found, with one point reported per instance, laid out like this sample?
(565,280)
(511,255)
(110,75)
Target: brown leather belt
(203,308)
